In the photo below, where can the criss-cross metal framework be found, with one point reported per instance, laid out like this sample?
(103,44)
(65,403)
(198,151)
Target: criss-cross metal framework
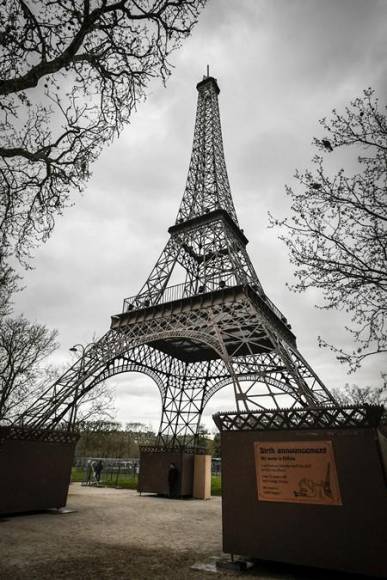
(216,328)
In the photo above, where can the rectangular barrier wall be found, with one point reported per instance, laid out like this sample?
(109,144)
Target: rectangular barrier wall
(35,468)
(154,468)
(273,512)
(202,477)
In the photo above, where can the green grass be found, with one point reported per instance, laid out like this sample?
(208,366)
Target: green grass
(76,474)
(126,481)
(216,485)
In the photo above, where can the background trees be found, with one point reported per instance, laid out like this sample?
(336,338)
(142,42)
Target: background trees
(355,395)
(23,347)
(109,439)
(103,438)
(24,376)
(336,235)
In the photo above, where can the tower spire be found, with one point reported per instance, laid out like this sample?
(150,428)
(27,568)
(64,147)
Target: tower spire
(207,187)
(206,240)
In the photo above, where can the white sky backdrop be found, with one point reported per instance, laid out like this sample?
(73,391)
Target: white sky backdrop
(281,65)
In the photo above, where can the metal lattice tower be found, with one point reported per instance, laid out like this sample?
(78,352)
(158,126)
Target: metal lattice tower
(216,328)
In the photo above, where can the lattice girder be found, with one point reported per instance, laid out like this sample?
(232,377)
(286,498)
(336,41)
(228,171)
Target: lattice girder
(207,186)
(215,329)
(243,346)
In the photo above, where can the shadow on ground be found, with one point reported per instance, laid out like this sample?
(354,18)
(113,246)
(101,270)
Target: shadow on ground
(101,562)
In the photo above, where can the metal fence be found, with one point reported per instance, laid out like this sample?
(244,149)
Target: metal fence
(112,472)
(100,471)
(177,292)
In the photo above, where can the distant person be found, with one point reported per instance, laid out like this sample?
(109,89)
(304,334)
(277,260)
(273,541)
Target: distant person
(98,469)
(173,480)
(91,473)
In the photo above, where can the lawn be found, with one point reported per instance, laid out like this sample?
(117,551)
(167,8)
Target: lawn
(127,481)
(121,480)
(216,485)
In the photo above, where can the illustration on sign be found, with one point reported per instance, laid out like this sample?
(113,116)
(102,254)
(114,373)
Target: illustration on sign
(297,472)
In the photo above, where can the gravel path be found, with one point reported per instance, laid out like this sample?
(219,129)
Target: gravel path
(113,534)
(118,535)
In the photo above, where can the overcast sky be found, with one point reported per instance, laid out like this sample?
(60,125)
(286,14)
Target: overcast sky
(281,65)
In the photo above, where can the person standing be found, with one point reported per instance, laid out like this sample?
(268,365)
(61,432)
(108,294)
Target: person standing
(98,470)
(173,480)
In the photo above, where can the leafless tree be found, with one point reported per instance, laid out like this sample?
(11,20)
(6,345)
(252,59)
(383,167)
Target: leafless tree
(96,405)
(23,347)
(101,438)
(8,285)
(141,434)
(355,395)
(71,73)
(24,374)
(336,235)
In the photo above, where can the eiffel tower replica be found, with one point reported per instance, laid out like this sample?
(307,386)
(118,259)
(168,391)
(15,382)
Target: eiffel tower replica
(217,328)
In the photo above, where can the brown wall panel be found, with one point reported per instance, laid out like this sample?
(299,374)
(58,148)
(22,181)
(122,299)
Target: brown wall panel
(34,474)
(351,537)
(154,467)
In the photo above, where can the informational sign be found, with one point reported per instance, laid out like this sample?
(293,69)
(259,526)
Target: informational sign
(297,472)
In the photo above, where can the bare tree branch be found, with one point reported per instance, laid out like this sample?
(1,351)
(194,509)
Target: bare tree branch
(71,73)
(23,347)
(336,235)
